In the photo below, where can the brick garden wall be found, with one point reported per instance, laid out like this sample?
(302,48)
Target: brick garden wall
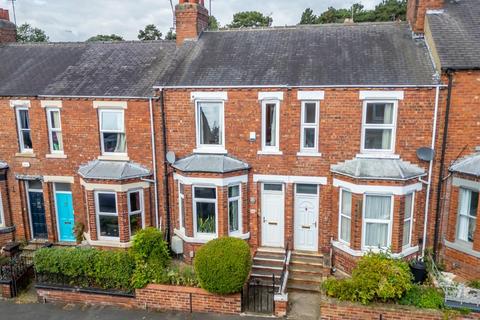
(5,291)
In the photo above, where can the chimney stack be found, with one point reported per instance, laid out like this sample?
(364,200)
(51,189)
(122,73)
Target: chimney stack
(8,30)
(191,19)
(417,10)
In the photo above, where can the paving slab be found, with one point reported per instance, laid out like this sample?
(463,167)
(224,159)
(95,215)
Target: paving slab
(304,305)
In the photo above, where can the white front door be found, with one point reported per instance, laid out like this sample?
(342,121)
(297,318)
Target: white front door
(306,217)
(273,204)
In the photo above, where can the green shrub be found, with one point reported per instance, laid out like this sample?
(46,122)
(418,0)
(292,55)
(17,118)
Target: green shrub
(149,247)
(377,277)
(222,265)
(423,297)
(474,284)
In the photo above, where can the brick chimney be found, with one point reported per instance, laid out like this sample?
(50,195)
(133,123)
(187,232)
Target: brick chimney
(417,10)
(192,19)
(8,31)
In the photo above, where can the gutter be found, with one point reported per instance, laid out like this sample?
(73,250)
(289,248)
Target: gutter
(154,159)
(442,164)
(86,97)
(298,86)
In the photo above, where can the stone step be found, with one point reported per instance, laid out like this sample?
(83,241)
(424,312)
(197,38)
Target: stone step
(308,269)
(293,286)
(265,273)
(314,261)
(304,278)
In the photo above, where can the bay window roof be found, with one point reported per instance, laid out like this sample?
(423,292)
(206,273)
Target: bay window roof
(468,165)
(113,170)
(211,163)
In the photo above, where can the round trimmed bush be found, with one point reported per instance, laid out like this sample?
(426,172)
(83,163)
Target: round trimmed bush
(222,265)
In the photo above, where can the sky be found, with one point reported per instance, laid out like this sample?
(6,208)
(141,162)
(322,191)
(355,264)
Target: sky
(77,20)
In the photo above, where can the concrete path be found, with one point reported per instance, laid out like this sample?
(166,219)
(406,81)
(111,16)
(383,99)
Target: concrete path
(304,306)
(37,311)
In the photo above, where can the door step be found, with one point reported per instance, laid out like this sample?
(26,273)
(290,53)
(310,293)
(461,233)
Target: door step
(306,271)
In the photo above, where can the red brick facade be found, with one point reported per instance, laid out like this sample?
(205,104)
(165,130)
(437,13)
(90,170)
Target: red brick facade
(8,31)
(417,9)
(191,19)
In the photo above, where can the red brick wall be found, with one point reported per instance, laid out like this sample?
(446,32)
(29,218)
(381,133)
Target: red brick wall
(8,33)
(60,296)
(417,9)
(191,20)
(462,264)
(5,291)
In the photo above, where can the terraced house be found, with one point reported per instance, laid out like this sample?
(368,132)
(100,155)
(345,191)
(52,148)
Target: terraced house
(298,139)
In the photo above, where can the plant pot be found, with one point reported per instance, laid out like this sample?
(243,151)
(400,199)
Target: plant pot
(419,271)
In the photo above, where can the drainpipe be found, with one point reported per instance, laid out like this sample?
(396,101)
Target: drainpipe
(154,159)
(442,164)
(430,170)
(166,193)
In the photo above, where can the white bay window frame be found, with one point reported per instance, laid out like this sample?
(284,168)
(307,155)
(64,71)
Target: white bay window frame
(195,200)
(366,221)
(52,130)
(464,218)
(344,216)
(409,221)
(181,206)
(272,149)
(306,125)
(210,148)
(237,198)
(98,213)
(140,211)
(366,126)
(102,111)
(2,213)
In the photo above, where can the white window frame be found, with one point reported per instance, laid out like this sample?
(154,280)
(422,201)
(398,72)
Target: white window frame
(102,144)
(239,199)
(410,220)
(276,148)
(141,210)
(209,148)
(51,129)
(304,125)
(200,235)
(2,213)
(467,216)
(20,130)
(379,221)
(98,214)
(392,126)
(341,216)
(181,205)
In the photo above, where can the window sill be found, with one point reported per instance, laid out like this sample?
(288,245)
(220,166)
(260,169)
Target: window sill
(56,156)
(270,153)
(243,236)
(378,156)
(197,239)
(210,150)
(106,243)
(25,155)
(359,253)
(464,247)
(114,157)
(309,154)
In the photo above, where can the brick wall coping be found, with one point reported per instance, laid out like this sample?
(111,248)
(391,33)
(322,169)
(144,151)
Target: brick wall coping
(165,287)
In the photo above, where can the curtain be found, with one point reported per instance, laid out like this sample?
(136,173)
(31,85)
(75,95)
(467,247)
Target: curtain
(345,229)
(388,114)
(386,139)
(121,143)
(273,124)
(376,235)
(346,203)
(378,207)
(463,220)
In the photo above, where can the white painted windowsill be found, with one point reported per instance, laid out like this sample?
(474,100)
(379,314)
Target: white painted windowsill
(270,153)
(210,150)
(114,158)
(25,154)
(359,253)
(309,154)
(378,156)
(464,247)
(56,156)
(106,243)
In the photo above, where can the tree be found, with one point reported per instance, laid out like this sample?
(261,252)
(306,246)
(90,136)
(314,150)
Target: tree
(391,10)
(105,37)
(27,33)
(149,33)
(250,19)
(171,35)
(308,17)
(212,23)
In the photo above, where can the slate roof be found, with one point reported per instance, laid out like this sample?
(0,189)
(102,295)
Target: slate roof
(338,54)
(112,170)
(3,165)
(468,165)
(456,34)
(379,169)
(126,69)
(211,163)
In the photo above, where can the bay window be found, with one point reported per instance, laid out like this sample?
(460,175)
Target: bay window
(135,211)
(210,125)
(270,126)
(112,131)
(467,214)
(234,209)
(309,127)
(378,127)
(181,205)
(345,223)
(107,215)
(205,211)
(407,220)
(377,221)
(24,131)
(54,130)
(2,215)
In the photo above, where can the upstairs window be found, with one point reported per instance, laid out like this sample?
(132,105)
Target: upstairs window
(467,214)
(309,127)
(377,221)
(24,131)
(112,132)
(210,126)
(378,129)
(270,126)
(54,131)
(345,223)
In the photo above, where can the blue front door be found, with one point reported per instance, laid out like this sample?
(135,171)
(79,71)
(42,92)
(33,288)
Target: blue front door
(65,216)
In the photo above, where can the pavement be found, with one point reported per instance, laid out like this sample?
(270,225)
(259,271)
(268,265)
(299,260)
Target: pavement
(304,305)
(37,311)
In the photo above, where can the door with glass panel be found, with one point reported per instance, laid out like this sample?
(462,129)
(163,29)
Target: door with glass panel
(65,214)
(306,217)
(273,213)
(36,208)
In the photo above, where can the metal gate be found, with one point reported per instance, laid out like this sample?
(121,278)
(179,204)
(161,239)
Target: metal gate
(258,296)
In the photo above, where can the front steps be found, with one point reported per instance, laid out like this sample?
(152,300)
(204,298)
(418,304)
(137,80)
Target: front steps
(307,270)
(268,262)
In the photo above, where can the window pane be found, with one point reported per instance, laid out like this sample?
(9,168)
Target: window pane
(108,226)
(380,113)
(206,217)
(24,119)
(233,191)
(233,216)
(112,121)
(107,203)
(135,223)
(134,201)
(270,125)
(380,139)
(205,193)
(182,212)
(408,206)
(210,123)
(406,233)
(57,142)
(310,113)
(35,184)
(114,142)
(55,119)
(474,204)
(472,223)
(346,203)
(273,187)
(376,235)
(378,207)
(182,188)
(345,229)
(27,140)
(63,187)
(309,137)
(307,188)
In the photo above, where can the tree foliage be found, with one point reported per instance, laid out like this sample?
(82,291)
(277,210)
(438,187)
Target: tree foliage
(171,35)
(213,23)
(249,19)
(387,10)
(27,33)
(150,32)
(105,37)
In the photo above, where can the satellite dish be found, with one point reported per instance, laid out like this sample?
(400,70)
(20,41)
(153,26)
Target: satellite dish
(425,154)
(171,157)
